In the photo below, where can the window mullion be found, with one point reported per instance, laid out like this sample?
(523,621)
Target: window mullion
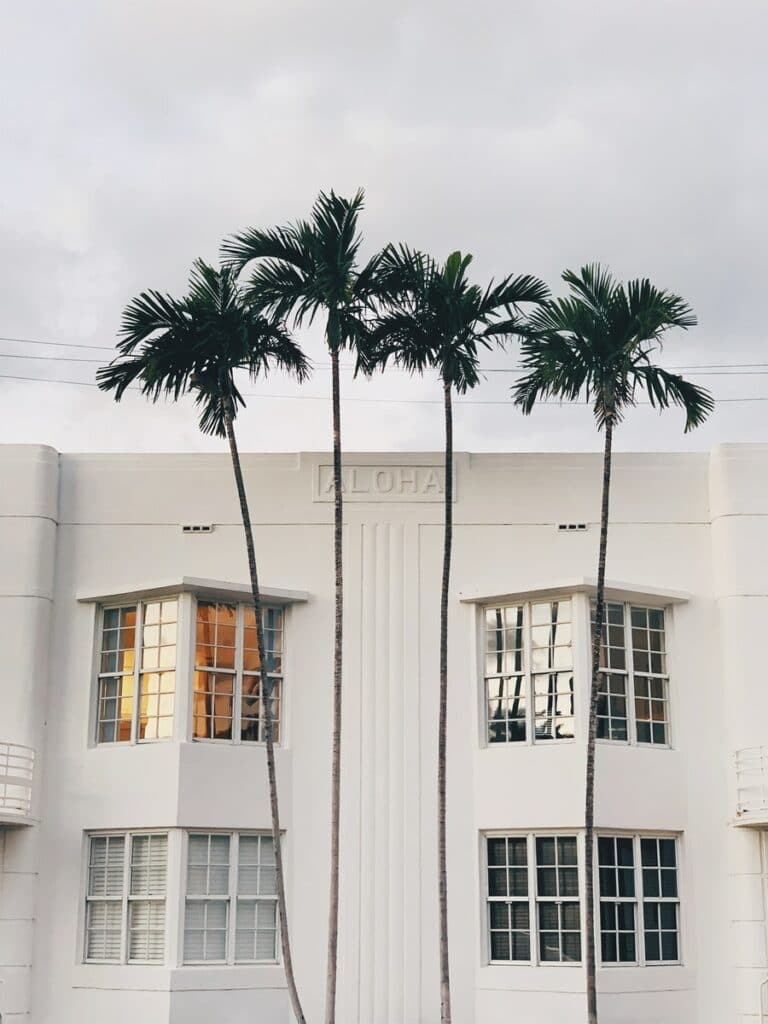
(640,903)
(533,915)
(631,724)
(234,860)
(530,722)
(237,695)
(127,854)
(138,644)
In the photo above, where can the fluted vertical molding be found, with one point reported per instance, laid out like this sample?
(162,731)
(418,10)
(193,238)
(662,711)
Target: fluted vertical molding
(381,846)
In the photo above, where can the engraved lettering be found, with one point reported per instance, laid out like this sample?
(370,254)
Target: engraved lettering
(406,478)
(383,481)
(432,483)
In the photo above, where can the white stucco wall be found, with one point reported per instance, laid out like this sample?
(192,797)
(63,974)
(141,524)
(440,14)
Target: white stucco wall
(75,526)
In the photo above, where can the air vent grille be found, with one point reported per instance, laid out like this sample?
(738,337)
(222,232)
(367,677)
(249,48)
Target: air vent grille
(571,527)
(197,527)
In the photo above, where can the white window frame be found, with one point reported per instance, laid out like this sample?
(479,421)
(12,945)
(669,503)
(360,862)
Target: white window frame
(630,674)
(125,899)
(533,895)
(139,605)
(237,673)
(230,901)
(639,900)
(528,672)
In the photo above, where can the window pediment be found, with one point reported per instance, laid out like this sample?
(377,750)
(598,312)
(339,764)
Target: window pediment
(206,589)
(614,591)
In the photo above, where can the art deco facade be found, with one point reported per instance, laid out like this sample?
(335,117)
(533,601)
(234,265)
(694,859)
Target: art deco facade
(136,867)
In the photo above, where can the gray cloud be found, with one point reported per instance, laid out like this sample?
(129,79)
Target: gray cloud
(536,136)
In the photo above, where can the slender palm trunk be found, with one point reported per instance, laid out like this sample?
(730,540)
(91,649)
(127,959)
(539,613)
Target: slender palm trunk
(333,912)
(589,810)
(442,733)
(266,693)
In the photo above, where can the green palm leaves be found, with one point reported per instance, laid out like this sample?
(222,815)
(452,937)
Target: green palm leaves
(599,341)
(312,266)
(435,318)
(171,347)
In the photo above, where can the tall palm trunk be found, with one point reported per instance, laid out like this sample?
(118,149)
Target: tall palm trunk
(333,913)
(266,695)
(442,732)
(589,810)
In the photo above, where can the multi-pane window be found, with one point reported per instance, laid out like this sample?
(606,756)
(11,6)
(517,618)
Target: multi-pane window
(231,899)
(228,698)
(125,898)
(137,672)
(529,672)
(534,912)
(639,899)
(634,685)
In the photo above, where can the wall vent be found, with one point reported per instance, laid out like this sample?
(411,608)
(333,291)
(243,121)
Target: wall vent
(571,527)
(197,527)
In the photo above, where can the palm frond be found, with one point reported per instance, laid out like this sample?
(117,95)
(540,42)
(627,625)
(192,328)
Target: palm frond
(599,342)
(193,345)
(665,389)
(284,244)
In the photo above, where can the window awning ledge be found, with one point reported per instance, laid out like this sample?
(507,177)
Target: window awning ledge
(218,590)
(614,591)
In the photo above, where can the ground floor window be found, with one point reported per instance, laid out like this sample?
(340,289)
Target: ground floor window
(231,899)
(534,906)
(534,913)
(639,899)
(125,898)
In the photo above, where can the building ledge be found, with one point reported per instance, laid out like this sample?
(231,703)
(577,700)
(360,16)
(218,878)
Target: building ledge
(614,591)
(218,590)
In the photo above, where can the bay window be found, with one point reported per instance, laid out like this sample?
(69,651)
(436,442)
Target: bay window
(633,702)
(528,657)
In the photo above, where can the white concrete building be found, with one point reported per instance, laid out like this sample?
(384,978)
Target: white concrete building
(135,876)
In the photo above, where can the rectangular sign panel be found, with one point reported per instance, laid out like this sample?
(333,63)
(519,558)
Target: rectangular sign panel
(383,483)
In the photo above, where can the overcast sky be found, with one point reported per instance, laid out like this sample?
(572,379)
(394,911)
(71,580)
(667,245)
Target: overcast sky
(536,136)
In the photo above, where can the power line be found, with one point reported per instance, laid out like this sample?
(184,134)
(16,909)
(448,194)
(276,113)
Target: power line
(384,401)
(733,369)
(324,366)
(57,344)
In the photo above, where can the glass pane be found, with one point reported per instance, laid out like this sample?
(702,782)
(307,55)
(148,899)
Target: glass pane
(572,947)
(500,946)
(626,942)
(669,946)
(545,850)
(499,915)
(497,851)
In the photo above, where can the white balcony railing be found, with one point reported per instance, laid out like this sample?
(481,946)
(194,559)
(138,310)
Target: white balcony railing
(752,786)
(16,769)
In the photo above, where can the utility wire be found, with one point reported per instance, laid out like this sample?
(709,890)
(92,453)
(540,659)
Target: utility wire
(733,369)
(385,401)
(349,366)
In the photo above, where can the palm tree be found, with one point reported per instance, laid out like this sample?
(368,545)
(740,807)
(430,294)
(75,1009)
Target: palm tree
(600,341)
(173,347)
(300,270)
(435,319)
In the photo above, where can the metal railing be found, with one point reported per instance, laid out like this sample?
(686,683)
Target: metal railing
(16,770)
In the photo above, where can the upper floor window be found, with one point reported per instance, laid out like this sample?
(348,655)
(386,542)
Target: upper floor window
(228,700)
(639,899)
(231,902)
(137,671)
(143,645)
(125,898)
(634,686)
(528,672)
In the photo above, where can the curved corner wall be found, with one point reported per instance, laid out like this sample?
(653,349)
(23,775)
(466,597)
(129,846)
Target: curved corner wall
(28,521)
(739,515)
